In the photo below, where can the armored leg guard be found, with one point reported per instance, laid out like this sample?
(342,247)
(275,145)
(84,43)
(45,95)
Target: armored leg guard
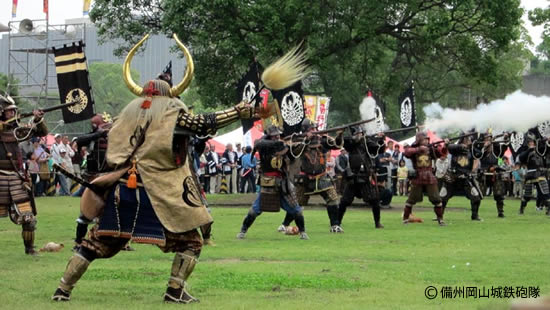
(376,214)
(300,222)
(182,267)
(332,211)
(28,239)
(248,221)
(439,213)
(206,231)
(475,211)
(500,208)
(75,269)
(341,211)
(81,230)
(406,213)
(522,207)
(288,219)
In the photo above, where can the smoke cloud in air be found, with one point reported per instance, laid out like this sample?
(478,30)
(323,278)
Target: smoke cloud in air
(367,108)
(516,112)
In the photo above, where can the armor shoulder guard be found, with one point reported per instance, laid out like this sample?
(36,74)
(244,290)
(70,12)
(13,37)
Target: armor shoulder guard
(264,145)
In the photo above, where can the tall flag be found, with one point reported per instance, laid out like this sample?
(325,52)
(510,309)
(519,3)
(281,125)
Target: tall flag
(14,9)
(46,7)
(407,109)
(291,106)
(311,107)
(544,129)
(247,88)
(517,143)
(86,7)
(518,140)
(74,86)
(322,112)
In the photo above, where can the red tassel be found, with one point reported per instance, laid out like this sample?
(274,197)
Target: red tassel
(146,104)
(132,177)
(132,181)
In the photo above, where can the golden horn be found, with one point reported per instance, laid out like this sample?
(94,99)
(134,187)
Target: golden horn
(132,86)
(178,89)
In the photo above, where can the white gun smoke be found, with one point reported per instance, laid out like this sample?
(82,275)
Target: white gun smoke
(516,112)
(367,108)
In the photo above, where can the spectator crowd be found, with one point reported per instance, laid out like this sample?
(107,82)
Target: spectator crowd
(235,170)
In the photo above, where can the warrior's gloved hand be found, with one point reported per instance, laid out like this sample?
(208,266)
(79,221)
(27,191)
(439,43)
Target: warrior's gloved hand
(245,110)
(38,115)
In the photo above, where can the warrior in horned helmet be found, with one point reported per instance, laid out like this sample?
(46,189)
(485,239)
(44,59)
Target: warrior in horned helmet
(153,194)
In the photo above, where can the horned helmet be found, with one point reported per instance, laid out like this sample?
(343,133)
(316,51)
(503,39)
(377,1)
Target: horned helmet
(158,87)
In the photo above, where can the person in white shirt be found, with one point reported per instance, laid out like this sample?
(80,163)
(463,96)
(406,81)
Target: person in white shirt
(213,163)
(441,166)
(59,152)
(230,168)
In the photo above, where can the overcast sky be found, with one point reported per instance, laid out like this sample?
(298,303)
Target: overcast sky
(64,9)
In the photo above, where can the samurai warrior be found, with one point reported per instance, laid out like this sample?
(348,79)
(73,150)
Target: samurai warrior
(152,196)
(16,197)
(422,155)
(96,163)
(362,182)
(465,160)
(533,157)
(276,188)
(494,174)
(313,150)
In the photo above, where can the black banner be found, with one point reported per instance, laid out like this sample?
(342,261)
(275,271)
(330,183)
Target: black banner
(72,79)
(517,143)
(407,109)
(544,129)
(291,107)
(247,88)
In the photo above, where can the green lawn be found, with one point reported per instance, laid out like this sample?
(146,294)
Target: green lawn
(363,268)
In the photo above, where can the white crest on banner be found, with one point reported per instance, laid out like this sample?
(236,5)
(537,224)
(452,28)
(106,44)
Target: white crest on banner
(406,112)
(544,129)
(249,91)
(292,108)
(516,140)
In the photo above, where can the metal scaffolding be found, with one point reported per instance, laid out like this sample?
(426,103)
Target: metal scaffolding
(31,60)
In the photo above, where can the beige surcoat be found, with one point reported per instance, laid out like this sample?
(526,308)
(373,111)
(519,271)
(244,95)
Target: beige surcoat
(173,189)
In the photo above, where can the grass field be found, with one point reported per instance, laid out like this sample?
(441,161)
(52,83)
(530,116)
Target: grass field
(363,268)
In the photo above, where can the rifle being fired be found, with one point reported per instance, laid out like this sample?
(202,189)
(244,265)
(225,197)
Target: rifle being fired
(29,114)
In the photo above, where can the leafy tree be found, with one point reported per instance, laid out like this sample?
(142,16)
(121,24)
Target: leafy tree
(444,46)
(9,85)
(109,90)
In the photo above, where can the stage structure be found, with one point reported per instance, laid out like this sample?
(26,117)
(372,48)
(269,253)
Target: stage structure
(31,60)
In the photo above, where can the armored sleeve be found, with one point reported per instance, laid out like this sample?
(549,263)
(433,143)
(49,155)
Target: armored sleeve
(375,145)
(209,123)
(524,155)
(298,145)
(411,151)
(38,130)
(349,144)
(87,138)
(332,143)
(269,146)
(456,149)
(499,149)
(41,130)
